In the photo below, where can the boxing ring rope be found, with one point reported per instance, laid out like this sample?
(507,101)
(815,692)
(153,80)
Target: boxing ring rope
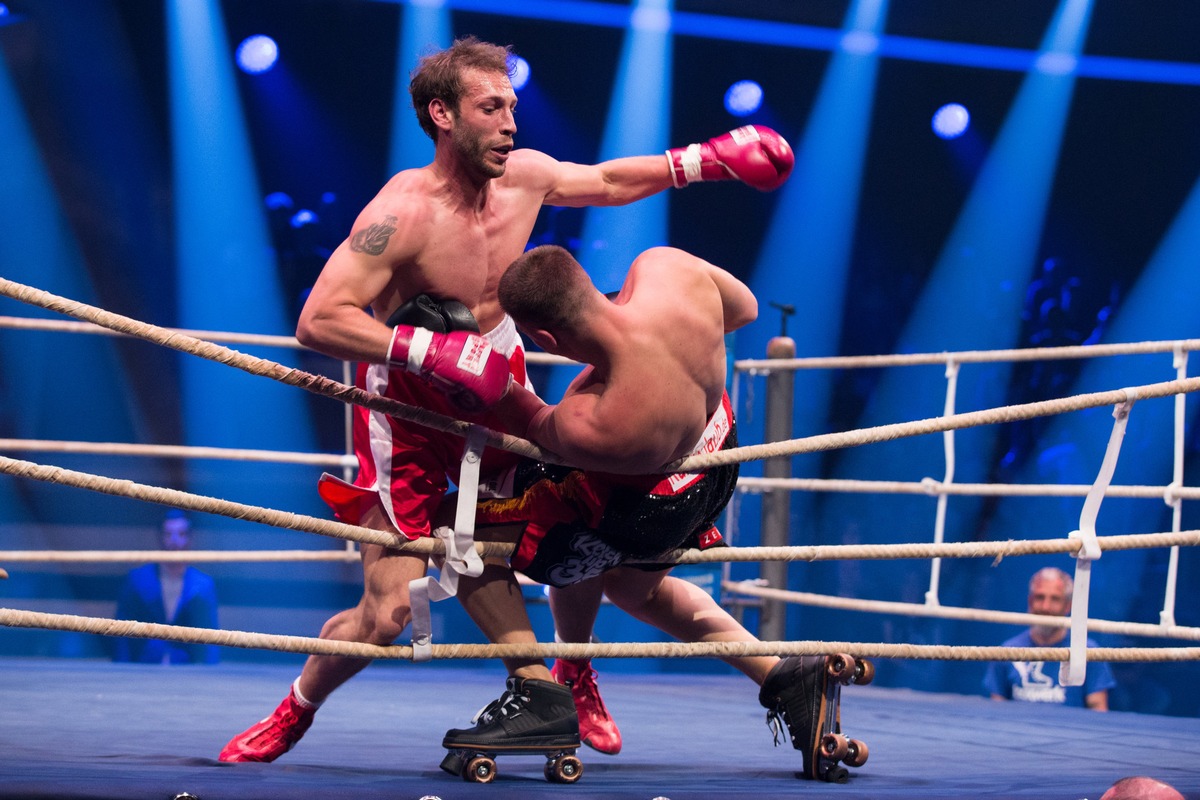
(341,530)
(228,508)
(177,451)
(898,430)
(317,384)
(931,487)
(309,645)
(959,613)
(102,626)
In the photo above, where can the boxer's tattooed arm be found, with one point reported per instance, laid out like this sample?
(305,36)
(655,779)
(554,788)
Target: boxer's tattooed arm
(373,239)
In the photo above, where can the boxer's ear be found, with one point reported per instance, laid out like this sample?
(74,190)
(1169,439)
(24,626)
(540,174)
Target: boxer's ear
(543,338)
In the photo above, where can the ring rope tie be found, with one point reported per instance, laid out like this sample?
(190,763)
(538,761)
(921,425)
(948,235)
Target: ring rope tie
(1073,671)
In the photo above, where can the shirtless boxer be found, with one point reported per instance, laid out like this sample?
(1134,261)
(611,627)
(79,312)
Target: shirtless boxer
(427,253)
(653,391)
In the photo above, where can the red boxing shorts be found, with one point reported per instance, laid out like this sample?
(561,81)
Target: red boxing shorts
(405,467)
(579,524)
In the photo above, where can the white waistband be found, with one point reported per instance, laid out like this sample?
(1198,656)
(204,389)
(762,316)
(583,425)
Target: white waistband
(504,337)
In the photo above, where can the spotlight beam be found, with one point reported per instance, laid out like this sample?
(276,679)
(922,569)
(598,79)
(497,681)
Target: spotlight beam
(810,37)
(424,27)
(226,267)
(971,301)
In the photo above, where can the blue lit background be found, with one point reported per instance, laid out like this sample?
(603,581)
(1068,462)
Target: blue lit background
(962,171)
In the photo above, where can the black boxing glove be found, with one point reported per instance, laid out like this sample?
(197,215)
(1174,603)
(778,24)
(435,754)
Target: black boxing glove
(439,316)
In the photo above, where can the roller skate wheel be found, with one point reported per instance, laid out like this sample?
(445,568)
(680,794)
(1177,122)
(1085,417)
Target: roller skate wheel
(840,667)
(565,769)
(864,672)
(479,769)
(834,746)
(857,753)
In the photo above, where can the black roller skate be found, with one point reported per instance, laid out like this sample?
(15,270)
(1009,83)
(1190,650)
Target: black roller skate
(802,695)
(532,717)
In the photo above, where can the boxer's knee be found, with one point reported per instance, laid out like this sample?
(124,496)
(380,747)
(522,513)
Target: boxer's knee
(385,619)
(632,589)
(375,620)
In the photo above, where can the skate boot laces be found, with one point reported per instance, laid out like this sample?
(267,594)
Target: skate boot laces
(784,696)
(509,703)
(777,722)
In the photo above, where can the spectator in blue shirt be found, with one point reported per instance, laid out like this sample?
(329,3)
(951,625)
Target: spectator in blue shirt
(1035,682)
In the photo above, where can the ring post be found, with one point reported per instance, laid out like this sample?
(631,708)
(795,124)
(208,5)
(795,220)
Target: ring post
(777,503)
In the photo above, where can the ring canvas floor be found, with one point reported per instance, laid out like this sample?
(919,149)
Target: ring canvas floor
(74,728)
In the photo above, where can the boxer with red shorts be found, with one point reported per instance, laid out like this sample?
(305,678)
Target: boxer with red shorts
(450,229)
(405,466)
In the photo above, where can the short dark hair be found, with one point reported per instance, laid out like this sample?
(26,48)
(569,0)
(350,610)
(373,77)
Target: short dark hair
(544,288)
(439,75)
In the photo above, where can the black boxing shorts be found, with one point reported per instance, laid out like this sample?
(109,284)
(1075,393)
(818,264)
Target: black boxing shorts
(579,524)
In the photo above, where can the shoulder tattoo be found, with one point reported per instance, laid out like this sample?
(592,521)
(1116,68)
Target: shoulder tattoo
(373,239)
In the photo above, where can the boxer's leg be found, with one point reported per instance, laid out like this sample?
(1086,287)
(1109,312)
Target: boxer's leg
(684,611)
(574,609)
(380,616)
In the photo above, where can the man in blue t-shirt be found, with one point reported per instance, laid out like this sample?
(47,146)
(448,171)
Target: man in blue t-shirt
(1032,681)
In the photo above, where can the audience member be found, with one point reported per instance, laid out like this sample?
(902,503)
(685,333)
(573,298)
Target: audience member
(168,593)
(1050,595)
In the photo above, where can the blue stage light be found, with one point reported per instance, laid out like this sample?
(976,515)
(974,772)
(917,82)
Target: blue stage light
(518,70)
(257,54)
(303,217)
(743,98)
(7,17)
(951,121)
(277,200)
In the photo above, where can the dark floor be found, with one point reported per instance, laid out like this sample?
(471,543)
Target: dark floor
(91,729)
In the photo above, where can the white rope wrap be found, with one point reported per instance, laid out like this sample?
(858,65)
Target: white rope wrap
(1074,671)
(460,557)
(939,525)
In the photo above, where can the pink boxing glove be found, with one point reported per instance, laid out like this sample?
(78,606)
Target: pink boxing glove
(753,154)
(462,365)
